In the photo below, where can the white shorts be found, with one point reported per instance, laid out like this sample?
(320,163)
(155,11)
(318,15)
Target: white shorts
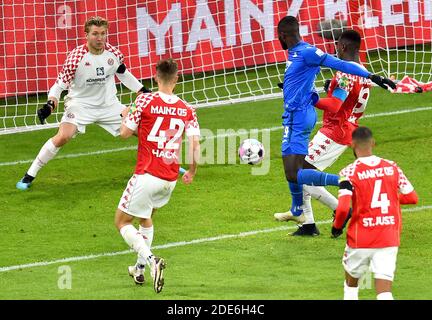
(323,151)
(108,117)
(382,262)
(144,193)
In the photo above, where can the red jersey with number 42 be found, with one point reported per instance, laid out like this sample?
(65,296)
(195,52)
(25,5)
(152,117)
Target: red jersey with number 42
(161,120)
(376,217)
(340,125)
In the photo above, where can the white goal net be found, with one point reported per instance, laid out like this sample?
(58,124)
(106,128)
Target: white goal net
(227,50)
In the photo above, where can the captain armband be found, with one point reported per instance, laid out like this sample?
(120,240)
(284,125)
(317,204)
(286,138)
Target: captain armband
(345,185)
(121,69)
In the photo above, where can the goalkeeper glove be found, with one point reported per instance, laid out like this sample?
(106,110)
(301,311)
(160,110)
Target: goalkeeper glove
(336,232)
(382,82)
(346,219)
(45,111)
(144,90)
(280,85)
(326,85)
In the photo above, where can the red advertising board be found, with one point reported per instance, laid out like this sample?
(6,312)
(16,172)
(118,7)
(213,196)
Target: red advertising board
(202,35)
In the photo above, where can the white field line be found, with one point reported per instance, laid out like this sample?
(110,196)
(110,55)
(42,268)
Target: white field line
(176,244)
(84,154)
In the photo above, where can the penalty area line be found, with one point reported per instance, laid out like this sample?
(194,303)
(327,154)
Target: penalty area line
(177,244)
(163,246)
(99,152)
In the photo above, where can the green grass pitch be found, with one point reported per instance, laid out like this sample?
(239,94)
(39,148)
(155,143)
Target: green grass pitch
(70,208)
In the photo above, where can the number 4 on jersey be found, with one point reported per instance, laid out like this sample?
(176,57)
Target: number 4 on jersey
(380,200)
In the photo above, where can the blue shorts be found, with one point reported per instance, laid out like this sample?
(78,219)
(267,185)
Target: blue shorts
(298,125)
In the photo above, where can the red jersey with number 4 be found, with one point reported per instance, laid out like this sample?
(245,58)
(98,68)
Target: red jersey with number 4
(161,120)
(340,125)
(376,217)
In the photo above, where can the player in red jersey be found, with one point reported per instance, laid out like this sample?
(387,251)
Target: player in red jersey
(346,100)
(376,187)
(159,119)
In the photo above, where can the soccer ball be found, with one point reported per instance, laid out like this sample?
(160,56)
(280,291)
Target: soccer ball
(251,151)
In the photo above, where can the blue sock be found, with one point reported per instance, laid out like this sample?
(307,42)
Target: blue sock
(297,198)
(317,178)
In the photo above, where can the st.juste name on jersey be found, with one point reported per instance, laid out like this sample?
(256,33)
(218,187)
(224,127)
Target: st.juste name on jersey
(378,205)
(376,188)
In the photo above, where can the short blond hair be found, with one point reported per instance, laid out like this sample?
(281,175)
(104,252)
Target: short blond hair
(95,21)
(167,69)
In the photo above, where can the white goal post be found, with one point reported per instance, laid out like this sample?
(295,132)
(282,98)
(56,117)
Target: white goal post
(227,50)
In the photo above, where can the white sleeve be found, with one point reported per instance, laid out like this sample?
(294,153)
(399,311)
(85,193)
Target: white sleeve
(192,126)
(56,90)
(67,74)
(135,112)
(405,186)
(129,81)
(64,78)
(134,117)
(348,171)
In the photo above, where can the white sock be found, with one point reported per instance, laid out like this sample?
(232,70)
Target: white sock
(307,208)
(46,153)
(350,293)
(321,194)
(135,240)
(385,296)
(147,234)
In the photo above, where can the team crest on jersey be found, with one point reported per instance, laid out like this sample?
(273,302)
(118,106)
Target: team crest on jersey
(319,52)
(110,61)
(100,71)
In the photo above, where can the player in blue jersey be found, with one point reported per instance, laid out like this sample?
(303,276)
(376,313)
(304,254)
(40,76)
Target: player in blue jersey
(300,97)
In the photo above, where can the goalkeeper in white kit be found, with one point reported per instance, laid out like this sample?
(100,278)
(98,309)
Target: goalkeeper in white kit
(88,75)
